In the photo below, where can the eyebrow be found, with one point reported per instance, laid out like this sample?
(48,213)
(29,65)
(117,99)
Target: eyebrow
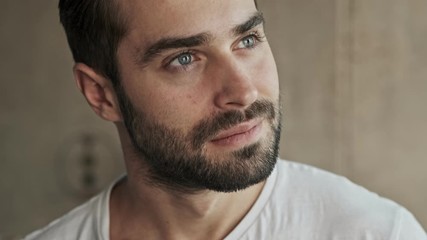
(193,41)
(255,20)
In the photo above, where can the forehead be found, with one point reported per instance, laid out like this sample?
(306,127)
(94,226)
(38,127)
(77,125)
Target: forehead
(148,20)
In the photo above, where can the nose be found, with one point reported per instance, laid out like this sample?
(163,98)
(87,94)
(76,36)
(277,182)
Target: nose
(236,86)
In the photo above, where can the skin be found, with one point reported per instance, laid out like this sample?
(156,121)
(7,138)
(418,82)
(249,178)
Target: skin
(224,75)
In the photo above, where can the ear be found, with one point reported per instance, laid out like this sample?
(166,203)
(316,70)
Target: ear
(98,91)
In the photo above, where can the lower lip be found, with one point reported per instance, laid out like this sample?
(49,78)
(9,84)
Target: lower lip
(241,139)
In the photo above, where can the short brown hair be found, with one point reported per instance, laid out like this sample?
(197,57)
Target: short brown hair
(94,29)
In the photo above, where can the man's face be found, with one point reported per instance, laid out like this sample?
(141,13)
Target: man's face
(200,92)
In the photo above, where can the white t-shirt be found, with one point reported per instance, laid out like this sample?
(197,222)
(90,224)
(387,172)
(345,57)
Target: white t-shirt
(298,202)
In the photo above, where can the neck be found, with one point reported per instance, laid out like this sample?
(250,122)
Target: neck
(165,214)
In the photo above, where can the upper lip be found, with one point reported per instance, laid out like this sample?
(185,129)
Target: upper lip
(238,129)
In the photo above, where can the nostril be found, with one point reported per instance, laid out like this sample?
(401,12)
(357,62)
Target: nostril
(237,97)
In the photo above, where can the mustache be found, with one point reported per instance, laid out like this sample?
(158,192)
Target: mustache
(209,128)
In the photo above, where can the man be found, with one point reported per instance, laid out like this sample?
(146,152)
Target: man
(192,88)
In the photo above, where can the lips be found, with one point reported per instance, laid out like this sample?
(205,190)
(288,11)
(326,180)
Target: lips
(240,129)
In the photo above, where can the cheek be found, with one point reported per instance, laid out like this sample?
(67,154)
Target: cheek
(176,107)
(267,79)
(173,109)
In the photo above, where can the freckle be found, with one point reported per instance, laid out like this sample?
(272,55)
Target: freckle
(190,97)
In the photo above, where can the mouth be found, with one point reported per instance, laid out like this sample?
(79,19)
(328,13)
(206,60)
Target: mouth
(242,134)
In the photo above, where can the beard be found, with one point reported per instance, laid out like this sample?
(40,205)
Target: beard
(178,160)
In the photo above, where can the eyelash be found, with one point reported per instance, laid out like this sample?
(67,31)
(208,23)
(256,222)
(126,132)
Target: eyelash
(258,38)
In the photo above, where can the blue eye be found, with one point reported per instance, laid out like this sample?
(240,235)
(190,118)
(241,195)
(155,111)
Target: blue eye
(248,42)
(185,59)
(182,60)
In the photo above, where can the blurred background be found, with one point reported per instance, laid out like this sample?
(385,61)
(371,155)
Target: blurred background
(354,92)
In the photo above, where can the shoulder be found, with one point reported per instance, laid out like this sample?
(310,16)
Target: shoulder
(333,202)
(80,223)
(320,186)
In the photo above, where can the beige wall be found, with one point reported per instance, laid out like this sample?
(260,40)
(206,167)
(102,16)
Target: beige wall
(353,82)
(389,79)
(43,121)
